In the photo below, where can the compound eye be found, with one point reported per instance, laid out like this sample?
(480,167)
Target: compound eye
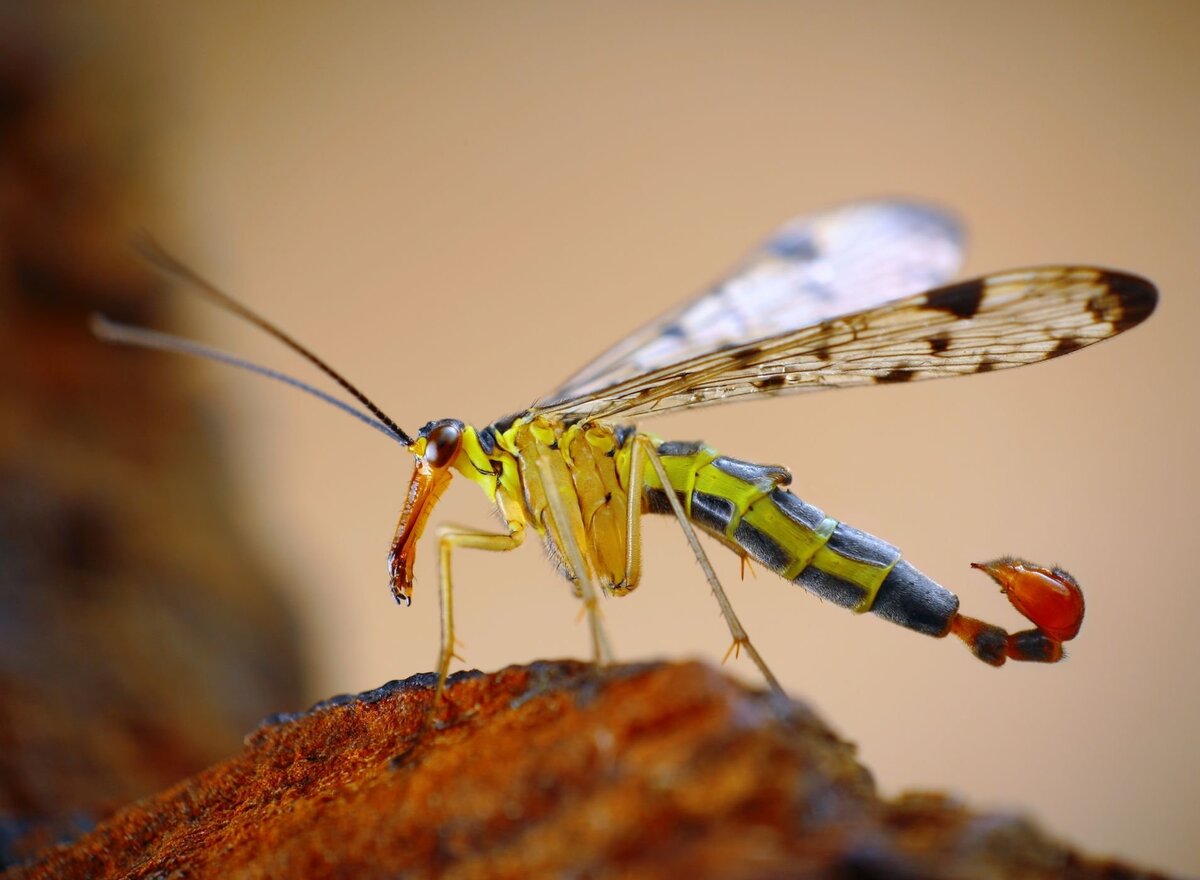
(441,444)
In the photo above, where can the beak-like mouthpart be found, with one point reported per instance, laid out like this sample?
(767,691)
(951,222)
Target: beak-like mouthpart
(425,488)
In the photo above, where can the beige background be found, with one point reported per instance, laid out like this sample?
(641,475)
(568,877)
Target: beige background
(457,205)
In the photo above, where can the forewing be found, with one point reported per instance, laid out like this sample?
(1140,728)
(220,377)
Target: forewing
(812,269)
(990,323)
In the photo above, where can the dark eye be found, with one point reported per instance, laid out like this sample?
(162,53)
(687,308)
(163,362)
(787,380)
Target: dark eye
(441,445)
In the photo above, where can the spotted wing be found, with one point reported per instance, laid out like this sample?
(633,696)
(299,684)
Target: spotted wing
(991,323)
(812,269)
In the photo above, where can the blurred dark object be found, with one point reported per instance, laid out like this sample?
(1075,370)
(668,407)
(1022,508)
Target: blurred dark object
(139,638)
(556,770)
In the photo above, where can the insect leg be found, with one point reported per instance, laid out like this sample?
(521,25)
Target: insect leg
(740,638)
(570,545)
(633,521)
(449,537)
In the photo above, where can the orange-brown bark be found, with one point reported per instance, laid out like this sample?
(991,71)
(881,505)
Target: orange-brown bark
(555,770)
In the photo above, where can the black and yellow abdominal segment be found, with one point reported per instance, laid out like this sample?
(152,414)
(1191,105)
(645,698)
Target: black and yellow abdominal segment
(748,507)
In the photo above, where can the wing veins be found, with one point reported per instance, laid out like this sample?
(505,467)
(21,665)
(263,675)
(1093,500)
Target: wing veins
(1022,317)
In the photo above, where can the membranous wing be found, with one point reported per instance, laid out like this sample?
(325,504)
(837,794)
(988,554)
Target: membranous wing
(991,323)
(812,269)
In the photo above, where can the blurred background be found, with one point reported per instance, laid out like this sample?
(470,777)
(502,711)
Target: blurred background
(457,205)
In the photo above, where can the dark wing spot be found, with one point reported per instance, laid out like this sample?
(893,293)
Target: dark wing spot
(1066,345)
(894,376)
(771,382)
(961,300)
(822,353)
(748,355)
(1133,297)
(938,344)
(985,366)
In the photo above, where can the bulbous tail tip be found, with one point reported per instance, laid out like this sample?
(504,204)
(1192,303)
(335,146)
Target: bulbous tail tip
(1050,598)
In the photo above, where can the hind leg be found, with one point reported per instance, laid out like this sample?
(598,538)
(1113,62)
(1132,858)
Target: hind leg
(741,640)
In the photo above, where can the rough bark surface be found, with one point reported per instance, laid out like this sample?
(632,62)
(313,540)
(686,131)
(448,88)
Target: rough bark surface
(555,769)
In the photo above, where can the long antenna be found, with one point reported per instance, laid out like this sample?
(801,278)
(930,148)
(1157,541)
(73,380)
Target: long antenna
(143,337)
(156,256)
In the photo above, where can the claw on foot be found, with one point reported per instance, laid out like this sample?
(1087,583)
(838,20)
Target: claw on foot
(1048,597)
(735,649)
(585,609)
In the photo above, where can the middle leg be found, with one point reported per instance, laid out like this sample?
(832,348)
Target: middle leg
(569,543)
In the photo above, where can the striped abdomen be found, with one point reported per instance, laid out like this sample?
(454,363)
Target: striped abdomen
(746,505)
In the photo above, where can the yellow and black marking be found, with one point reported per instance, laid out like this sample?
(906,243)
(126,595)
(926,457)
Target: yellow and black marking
(858,295)
(744,505)
(748,506)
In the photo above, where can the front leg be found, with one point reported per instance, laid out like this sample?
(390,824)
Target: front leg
(450,537)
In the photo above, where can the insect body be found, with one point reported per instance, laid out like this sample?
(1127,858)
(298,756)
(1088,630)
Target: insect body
(847,297)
